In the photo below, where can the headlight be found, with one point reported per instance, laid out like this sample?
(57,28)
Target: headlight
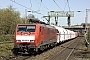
(31,40)
(18,40)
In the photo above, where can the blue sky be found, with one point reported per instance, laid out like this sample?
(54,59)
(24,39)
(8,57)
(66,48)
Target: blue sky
(47,5)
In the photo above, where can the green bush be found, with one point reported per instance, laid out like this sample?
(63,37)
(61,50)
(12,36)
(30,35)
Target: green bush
(5,38)
(89,35)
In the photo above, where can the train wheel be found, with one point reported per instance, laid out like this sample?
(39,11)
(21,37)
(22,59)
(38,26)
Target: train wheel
(31,51)
(15,51)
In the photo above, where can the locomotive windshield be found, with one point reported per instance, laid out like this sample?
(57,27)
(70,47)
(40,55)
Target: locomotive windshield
(26,28)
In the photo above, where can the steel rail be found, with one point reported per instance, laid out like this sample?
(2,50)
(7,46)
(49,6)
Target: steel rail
(60,51)
(71,52)
(5,42)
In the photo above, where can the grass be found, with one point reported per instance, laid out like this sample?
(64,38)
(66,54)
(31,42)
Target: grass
(89,35)
(6,38)
(5,50)
(82,51)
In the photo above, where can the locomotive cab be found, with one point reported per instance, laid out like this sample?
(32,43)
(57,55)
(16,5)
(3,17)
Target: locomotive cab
(25,34)
(24,38)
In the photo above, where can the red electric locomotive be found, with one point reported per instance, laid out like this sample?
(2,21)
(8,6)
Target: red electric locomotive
(33,37)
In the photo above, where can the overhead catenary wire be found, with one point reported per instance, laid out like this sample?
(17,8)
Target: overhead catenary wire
(39,6)
(41,0)
(30,5)
(42,4)
(65,5)
(45,6)
(68,5)
(26,7)
(20,4)
(57,4)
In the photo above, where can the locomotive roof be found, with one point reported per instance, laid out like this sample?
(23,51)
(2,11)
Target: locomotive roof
(44,25)
(28,24)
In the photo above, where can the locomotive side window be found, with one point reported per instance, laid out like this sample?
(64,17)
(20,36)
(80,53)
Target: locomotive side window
(31,28)
(41,29)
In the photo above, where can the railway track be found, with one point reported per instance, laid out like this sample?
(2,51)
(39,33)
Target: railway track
(66,52)
(18,57)
(5,42)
